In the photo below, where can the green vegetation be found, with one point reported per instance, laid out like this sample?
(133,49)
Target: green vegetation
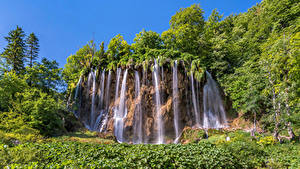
(242,151)
(31,103)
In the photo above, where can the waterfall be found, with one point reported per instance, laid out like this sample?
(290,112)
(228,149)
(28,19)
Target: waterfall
(195,103)
(107,94)
(214,113)
(117,85)
(102,90)
(103,125)
(121,112)
(159,120)
(78,87)
(99,121)
(149,104)
(138,118)
(175,100)
(93,113)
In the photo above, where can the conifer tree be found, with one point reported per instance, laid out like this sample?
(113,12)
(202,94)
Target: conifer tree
(33,48)
(14,53)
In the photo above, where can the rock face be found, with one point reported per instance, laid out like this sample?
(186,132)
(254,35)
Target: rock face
(140,115)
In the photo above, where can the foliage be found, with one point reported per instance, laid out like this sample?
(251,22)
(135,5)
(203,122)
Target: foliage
(41,111)
(14,53)
(70,154)
(30,102)
(45,75)
(33,48)
(186,27)
(10,84)
(146,40)
(269,140)
(77,64)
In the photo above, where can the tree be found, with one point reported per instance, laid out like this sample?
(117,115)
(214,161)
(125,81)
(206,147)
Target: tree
(14,53)
(186,28)
(33,48)
(46,75)
(279,62)
(77,64)
(40,110)
(118,49)
(10,84)
(146,40)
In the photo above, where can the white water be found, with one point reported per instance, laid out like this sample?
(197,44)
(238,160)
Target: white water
(102,90)
(159,120)
(121,112)
(107,94)
(77,101)
(195,105)
(104,117)
(117,85)
(93,113)
(214,113)
(138,118)
(175,100)
(98,115)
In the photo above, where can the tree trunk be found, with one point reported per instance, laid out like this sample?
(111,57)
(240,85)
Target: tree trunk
(276,111)
(253,131)
(288,124)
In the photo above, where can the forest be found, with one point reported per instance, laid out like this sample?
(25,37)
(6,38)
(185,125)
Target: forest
(254,57)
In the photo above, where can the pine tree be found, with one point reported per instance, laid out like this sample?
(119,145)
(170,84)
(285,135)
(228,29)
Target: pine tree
(33,48)
(14,53)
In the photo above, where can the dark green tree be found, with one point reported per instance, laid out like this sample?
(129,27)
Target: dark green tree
(33,48)
(46,75)
(14,53)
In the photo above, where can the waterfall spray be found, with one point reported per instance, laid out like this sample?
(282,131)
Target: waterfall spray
(159,120)
(138,118)
(121,113)
(175,100)
(214,113)
(93,113)
(195,105)
(78,87)
(107,94)
(102,90)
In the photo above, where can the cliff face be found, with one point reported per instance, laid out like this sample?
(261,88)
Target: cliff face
(99,98)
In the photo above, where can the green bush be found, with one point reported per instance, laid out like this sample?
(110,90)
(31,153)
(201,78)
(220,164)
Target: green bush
(83,155)
(40,111)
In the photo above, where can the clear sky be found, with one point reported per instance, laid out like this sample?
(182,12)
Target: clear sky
(63,26)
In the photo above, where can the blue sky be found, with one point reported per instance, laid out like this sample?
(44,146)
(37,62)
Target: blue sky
(63,26)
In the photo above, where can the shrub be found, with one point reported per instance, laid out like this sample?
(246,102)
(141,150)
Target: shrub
(268,140)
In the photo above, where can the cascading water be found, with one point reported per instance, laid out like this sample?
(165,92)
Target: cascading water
(102,90)
(107,94)
(159,118)
(175,100)
(93,113)
(214,113)
(138,118)
(76,98)
(99,119)
(195,103)
(147,107)
(121,112)
(107,100)
(117,86)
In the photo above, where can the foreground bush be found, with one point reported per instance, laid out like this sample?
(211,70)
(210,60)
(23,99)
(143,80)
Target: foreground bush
(79,155)
(202,155)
